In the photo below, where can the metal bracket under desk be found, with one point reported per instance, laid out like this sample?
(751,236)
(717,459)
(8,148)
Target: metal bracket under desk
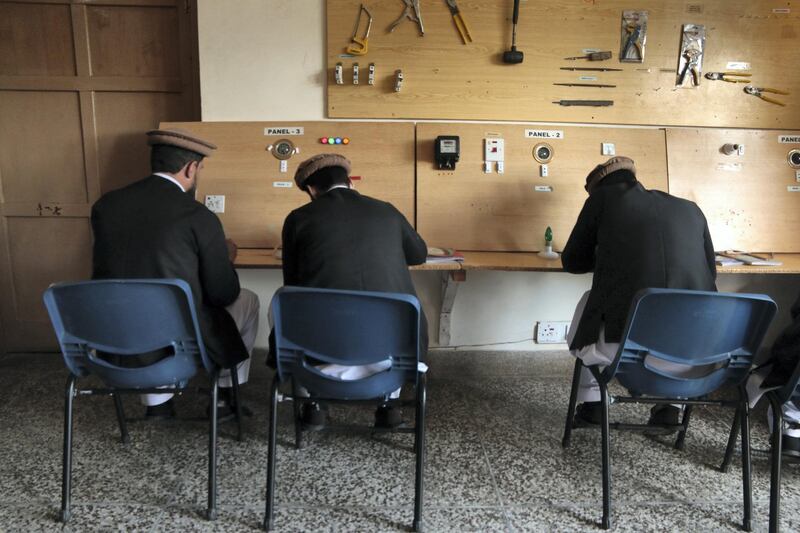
(450,281)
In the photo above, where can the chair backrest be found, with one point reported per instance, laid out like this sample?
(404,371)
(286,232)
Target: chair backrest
(710,337)
(325,326)
(103,322)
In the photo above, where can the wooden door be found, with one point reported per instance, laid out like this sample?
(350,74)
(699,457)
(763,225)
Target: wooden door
(80,83)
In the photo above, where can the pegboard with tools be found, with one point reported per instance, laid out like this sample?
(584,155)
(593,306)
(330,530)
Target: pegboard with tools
(454,65)
(512,181)
(251,174)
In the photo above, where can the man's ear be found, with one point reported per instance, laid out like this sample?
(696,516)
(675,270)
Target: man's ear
(191,169)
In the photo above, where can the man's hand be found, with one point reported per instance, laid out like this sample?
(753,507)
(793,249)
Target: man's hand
(232,249)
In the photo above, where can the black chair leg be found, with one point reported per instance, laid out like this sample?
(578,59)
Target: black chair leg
(237,404)
(726,461)
(66,477)
(775,464)
(211,512)
(746,472)
(606,458)
(419,446)
(680,441)
(273,431)
(123,426)
(573,399)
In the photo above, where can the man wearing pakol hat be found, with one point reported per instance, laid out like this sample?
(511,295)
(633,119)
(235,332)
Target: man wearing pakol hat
(631,238)
(344,240)
(155,228)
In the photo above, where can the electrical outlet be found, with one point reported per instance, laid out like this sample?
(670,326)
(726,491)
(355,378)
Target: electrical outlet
(215,203)
(609,149)
(554,332)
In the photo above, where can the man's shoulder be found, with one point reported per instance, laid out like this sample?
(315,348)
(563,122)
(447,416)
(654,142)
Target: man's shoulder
(673,200)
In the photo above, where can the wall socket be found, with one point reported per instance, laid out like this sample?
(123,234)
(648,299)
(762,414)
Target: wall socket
(215,203)
(553,332)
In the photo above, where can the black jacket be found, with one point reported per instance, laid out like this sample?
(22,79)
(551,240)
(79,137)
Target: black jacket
(343,240)
(151,229)
(786,350)
(633,238)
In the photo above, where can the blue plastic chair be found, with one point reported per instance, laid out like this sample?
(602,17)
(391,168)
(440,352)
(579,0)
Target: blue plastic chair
(717,334)
(777,396)
(314,326)
(100,323)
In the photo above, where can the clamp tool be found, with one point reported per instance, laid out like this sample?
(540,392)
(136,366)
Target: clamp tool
(461,24)
(730,77)
(692,56)
(359,47)
(634,31)
(412,13)
(756,91)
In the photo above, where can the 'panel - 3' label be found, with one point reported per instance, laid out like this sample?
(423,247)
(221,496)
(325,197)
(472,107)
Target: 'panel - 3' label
(286,130)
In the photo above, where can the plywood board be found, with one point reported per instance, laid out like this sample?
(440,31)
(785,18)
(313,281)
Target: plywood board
(258,196)
(445,79)
(746,198)
(471,210)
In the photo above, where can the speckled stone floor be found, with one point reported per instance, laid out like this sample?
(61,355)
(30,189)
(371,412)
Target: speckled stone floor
(494,462)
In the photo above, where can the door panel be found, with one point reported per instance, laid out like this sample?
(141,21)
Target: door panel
(36,40)
(41,147)
(80,83)
(134,41)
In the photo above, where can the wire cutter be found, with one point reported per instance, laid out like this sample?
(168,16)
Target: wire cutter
(359,47)
(730,77)
(412,13)
(633,30)
(756,91)
(461,24)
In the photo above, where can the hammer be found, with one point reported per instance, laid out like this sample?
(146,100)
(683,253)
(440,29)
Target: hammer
(513,56)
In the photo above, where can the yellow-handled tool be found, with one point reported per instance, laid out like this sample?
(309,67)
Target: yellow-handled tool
(758,91)
(360,46)
(461,24)
(730,77)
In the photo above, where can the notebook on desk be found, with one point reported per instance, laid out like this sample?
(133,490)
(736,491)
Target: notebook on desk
(443,255)
(749,259)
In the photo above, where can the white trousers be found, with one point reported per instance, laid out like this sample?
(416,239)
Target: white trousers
(350,372)
(602,353)
(244,311)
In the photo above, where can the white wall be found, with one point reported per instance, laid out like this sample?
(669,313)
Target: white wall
(265,60)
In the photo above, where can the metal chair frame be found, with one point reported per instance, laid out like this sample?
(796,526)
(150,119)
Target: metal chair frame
(83,347)
(609,373)
(284,374)
(777,397)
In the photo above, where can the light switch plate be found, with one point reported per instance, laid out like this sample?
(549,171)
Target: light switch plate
(215,203)
(609,149)
(494,150)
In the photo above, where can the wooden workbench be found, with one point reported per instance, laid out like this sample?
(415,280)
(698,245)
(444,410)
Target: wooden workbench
(514,262)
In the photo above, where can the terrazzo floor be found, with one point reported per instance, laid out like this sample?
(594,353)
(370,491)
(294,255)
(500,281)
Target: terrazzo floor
(494,461)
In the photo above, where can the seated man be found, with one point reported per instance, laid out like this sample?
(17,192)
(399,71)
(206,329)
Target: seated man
(343,240)
(631,238)
(154,228)
(775,372)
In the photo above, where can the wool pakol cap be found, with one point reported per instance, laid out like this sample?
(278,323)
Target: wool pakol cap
(604,169)
(180,139)
(318,162)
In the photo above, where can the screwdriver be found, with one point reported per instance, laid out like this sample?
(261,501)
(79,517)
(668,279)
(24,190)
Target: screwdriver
(586,103)
(594,56)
